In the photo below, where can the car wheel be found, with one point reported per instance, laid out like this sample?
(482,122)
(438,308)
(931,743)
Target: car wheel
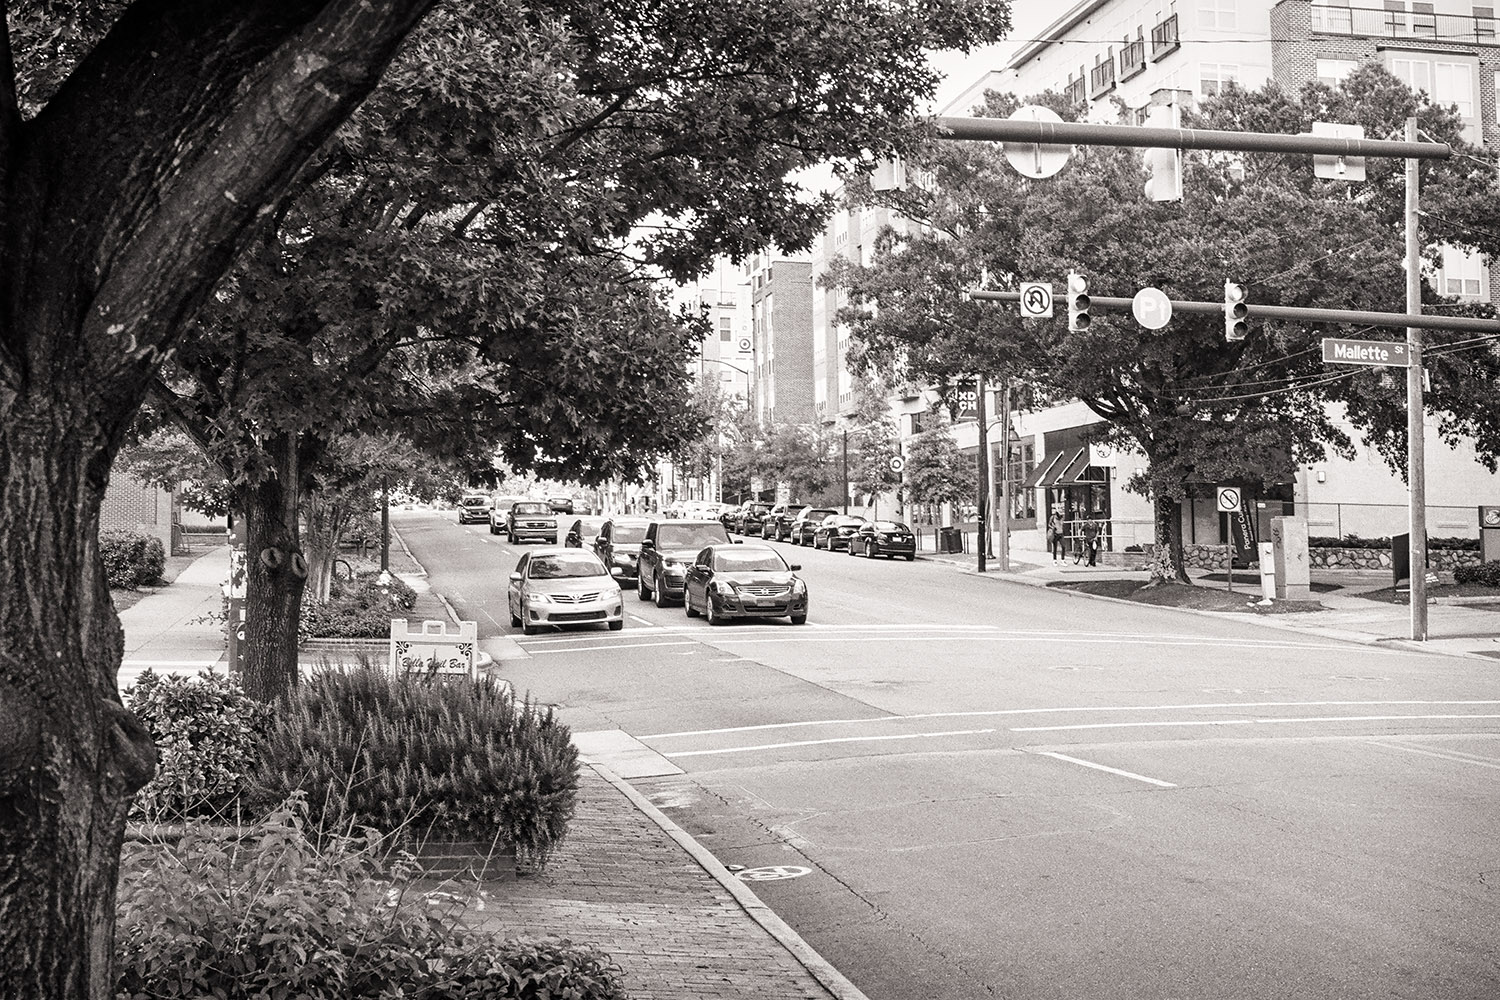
(616,626)
(713,617)
(687,604)
(553,540)
(641,590)
(494,530)
(799,619)
(515,621)
(660,595)
(910,558)
(869,550)
(850,549)
(530,629)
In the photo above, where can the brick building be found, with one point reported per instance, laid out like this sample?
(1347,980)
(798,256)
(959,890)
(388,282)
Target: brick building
(132,505)
(781,303)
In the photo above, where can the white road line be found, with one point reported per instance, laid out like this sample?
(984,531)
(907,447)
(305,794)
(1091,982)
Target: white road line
(1112,770)
(1048,637)
(811,743)
(1057,710)
(611,646)
(1249,722)
(1452,755)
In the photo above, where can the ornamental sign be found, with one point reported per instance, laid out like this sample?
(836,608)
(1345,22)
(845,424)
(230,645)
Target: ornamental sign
(432,648)
(1365,352)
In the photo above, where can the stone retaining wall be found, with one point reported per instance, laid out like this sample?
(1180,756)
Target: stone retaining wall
(1215,557)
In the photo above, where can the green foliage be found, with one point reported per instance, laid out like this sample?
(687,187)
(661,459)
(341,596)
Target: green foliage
(936,471)
(361,608)
(1356,542)
(366,590)
(294,911)
(1487,573)
(463,761)
(131,558)
(205,731)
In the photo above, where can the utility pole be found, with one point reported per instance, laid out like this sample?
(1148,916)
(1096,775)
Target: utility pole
(1416,473)
(846,470)
(385,524)
(984,471)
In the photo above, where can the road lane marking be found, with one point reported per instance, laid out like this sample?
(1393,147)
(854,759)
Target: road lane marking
(611,646)
(811,743)
(1456,756)
(1249,722)
(1101,767)
(1073,638)
(1049,710)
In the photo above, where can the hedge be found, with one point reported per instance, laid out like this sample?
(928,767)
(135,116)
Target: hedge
(131,558)
(1487,574)
(1356,542)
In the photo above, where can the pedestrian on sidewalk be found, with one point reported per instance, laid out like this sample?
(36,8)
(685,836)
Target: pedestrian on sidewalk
(1055,532)
(1092,530)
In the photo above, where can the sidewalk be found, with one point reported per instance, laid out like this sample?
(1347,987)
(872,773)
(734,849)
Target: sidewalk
(179,629)
(1453,626)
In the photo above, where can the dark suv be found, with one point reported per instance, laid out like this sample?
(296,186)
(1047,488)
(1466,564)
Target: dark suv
(667,550)
(777,523)
(750,516)
(800,532)
(531,519)
(619,545)
(474,509)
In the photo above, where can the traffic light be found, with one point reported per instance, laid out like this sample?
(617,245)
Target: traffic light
(1236,311)
(1078,302)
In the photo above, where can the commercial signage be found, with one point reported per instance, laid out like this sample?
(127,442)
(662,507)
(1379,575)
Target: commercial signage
(1365,352)
(965,405)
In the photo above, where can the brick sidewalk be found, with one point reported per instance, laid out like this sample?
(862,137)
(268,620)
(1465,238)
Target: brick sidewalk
(622,883)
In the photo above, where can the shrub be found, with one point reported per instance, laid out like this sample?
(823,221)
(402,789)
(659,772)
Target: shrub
(131,559)
(1486,574)
(423,758)
(361,608)
(289,913)
(366,590)
(205,730)
(1356,542)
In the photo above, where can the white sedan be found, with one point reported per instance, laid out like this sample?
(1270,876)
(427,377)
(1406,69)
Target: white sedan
(560,586)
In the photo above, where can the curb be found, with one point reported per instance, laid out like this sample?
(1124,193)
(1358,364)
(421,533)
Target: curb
(422,571)
(1322,632)
(828,977)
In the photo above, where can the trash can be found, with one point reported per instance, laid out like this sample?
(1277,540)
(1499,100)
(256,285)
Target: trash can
(950,540)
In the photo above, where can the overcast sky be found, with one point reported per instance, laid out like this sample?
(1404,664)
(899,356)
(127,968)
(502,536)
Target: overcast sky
(1028,18)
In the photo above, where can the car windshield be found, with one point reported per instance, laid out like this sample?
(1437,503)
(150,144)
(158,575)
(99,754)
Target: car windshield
(686,536)
(818,515)
(628,534)
(891,526)
(475,501)
(759,508)
(845,519)
(560,566)
(738,560)
(532,508)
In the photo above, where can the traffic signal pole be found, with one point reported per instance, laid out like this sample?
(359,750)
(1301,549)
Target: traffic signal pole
(1416,426)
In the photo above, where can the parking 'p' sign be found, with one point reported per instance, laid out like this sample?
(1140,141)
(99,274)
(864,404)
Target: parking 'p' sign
(1229,498)
(1036,300)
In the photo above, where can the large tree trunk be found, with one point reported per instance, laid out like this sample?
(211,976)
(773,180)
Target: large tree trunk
(276,579)
(71,756)
(1169,565)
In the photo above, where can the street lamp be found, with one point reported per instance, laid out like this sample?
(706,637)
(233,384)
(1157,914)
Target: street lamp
(734,367)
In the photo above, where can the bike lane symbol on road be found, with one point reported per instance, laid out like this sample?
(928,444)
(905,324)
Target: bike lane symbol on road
(771,873)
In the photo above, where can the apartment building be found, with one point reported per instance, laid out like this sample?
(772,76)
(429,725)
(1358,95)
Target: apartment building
(727,355)
(781,333)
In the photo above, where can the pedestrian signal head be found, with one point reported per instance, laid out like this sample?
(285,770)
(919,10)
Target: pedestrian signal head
(1236,311)
(1078,303)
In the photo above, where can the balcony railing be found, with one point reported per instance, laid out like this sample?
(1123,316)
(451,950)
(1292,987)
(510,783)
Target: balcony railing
(1164,38)
(1074,93)
(1368,22)
(1102,78)
(1133,59)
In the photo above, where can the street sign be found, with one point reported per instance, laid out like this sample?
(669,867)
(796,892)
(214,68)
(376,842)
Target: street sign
(1365,352)
(744,345)
(1229,498)
(1036,299)
(897,463)
(1151,308)
(1036,159)
(1338,168)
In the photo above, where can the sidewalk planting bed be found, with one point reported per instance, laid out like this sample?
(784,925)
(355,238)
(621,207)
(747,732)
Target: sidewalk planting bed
(1178,595)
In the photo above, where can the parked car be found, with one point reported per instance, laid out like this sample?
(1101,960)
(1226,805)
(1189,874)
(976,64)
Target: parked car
(473,508)
(500,512)
(666,551)
(531,519)
(777,523)
(748,520)
(560,505)
(883,538)
(743,581)
(835,531)
(619,545)
(730,514)
(800,531)
(583,532)
(563,587)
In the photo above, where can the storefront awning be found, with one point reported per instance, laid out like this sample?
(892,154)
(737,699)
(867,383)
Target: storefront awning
(1039,476)
(1073,473)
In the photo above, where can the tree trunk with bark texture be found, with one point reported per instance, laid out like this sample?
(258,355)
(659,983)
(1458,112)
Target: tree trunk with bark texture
(276,580)
(71,755)
(1168,565)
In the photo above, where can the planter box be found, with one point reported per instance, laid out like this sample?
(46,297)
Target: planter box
(466,859)
(344,651)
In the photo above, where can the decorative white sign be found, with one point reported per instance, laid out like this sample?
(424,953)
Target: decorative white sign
(433,648)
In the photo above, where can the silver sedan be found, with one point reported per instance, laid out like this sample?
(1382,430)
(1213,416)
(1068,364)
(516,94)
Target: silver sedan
(560,586)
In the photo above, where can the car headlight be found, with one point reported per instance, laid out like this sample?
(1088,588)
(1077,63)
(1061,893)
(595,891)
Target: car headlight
(722,588)
(538,599)
(799,587)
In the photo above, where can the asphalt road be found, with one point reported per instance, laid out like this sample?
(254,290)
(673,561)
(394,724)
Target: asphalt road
(981,789)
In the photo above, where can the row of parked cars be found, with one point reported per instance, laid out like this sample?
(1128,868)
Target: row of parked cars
(822,528)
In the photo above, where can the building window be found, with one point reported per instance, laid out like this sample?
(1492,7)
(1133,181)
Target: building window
(1463,274)
(1333,71)
(1216,15)
(1453,83)
(1415,73)
(1484,24)
(726,328)
(1213,76)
